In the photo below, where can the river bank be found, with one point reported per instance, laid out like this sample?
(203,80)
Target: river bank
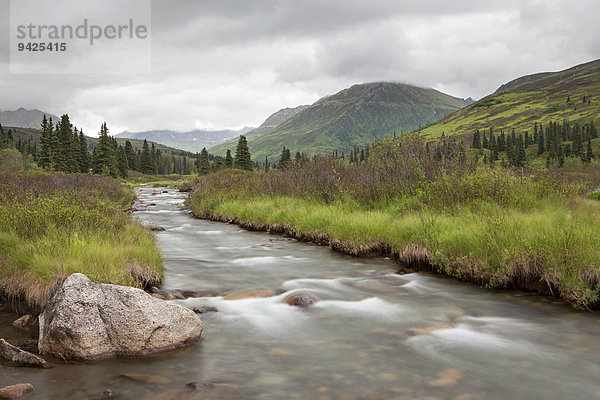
(498,228)
(53,225)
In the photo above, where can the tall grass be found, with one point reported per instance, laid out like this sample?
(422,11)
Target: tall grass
(52,225)
(497,227)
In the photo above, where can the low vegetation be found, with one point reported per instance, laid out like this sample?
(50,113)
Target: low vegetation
(498,227)
(52,225)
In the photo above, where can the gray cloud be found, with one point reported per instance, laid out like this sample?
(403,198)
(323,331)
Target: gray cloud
(222,64)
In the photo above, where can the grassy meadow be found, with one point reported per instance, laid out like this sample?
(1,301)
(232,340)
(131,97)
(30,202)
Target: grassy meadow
(498,227)
(53,225)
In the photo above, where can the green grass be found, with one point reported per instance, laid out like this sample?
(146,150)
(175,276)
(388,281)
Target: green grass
(496,227)
(53,225)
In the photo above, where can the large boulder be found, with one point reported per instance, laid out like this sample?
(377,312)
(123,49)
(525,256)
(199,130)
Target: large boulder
(88,320)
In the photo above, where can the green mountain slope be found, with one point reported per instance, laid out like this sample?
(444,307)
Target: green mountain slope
(356,116)
(268,126)
(572,94)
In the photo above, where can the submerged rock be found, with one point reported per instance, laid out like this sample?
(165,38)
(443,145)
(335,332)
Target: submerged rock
(87,320)
(302,300)
(205,309)
(108,394)
(153,379)
(249,294)
(15,391)
(152,226)
(16,357)
(25,322)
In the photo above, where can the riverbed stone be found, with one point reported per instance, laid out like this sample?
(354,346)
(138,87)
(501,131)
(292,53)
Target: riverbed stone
(15,391)
(152,379)
(88,320)
(205,309)
(16,357)
(447,377)
(25,322)
(152,226)
(301,300)
(249,294)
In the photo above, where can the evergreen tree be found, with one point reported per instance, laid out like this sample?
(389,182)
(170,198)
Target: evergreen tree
(476,140)
(104,158)
(154,159)
(228,160)
(589,153)
(84,151)
(44,159)
(203,164)
(266,164)
(146,165)
(130,153)
(540,143)
(184,165)
(285,157)
(242,159)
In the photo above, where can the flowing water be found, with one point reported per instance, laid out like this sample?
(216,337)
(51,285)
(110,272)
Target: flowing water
(374,334)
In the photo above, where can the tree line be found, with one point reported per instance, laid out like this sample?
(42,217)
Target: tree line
(557,140)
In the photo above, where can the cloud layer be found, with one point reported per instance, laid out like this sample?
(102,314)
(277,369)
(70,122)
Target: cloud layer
(231,63)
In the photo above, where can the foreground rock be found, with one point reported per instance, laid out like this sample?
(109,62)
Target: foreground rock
(15,391)
(152,226)
(87,320)
(16,357)
(301,300)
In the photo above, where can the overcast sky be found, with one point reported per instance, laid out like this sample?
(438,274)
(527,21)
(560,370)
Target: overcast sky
(231,63)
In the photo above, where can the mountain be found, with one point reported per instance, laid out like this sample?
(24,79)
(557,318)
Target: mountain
(23,118)
(266,127)
(356,116)
(572,94)
(193,141)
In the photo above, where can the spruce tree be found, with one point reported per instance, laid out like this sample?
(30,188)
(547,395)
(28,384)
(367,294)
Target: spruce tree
(242,159)
(84,151)
(540,142)
(203,163)
(228,160)
(589,153)
(130,155)
(476,140)
(122,162)
(146,166)
(44,159)
(104,158)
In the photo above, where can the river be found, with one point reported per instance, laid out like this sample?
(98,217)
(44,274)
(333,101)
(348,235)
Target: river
(374,334)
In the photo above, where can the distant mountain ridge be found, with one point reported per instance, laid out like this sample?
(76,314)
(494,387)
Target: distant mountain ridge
(22,118)
(356,116)
(193,141)
(274,120)
(572,94)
